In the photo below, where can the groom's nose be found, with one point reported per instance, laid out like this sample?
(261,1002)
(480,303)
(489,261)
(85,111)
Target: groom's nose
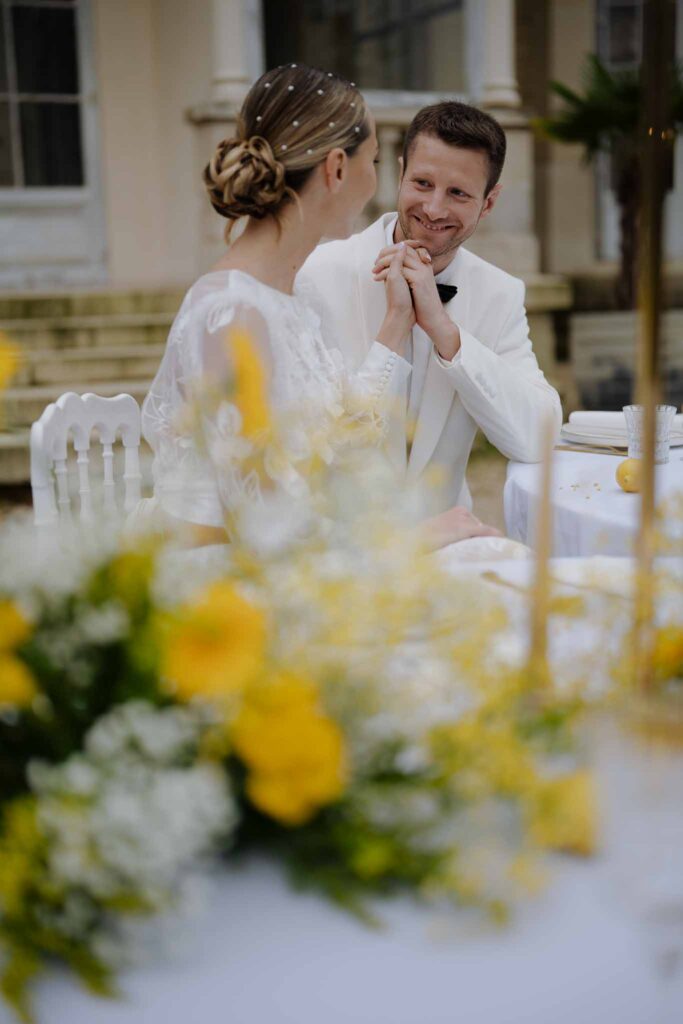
(435,207)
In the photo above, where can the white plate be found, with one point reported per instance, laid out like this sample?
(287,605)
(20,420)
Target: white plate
(613,438)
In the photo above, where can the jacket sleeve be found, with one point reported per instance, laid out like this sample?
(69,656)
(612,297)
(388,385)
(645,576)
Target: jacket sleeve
(503,388)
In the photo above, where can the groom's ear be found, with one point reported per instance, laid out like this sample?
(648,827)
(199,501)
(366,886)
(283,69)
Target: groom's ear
(401,170)
(490,200)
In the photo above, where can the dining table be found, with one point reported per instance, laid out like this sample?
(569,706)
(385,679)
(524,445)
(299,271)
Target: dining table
(592,515)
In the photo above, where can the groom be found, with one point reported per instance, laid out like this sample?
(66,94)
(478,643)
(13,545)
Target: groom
(472,361)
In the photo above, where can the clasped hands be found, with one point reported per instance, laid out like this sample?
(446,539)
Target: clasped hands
(406,269)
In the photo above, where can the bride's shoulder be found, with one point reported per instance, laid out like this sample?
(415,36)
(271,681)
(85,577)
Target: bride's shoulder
(216,298)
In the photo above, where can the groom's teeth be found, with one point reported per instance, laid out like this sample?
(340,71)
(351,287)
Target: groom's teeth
(429,226)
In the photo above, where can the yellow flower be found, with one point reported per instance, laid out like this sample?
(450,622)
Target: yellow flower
(9,361)
(14,628)
(250,393)
(668,652)
(294,752)
(564,814)
(17,685)
(216,646)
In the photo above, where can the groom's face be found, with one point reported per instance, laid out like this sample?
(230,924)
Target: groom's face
(442,196)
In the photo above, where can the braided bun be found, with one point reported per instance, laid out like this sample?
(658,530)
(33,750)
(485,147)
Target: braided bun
(243,178)
(301,114)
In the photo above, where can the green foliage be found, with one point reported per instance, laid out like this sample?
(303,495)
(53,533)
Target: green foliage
(601,118)
(80,675)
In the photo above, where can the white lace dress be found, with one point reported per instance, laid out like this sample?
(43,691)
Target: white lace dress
(308,387)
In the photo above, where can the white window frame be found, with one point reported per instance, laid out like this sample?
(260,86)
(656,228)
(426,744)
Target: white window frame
(85,201)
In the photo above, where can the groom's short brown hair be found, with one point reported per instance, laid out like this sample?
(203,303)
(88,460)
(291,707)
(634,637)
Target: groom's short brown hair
(458,124)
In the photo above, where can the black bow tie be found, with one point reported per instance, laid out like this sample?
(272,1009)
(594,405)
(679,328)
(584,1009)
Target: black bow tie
(446,292)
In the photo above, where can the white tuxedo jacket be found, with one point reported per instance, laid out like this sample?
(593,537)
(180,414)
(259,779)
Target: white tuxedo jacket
(494,381)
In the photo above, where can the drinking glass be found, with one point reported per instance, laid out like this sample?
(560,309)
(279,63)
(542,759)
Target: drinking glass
(635,417)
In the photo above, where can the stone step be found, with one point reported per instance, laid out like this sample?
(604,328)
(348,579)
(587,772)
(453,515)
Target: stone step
(14,457)
(21,406)
(22,306)
(86,365)
(35,333)
(15,462)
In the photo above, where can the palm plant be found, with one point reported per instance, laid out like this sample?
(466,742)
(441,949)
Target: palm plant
(605,118)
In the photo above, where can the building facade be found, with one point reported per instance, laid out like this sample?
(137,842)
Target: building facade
(109,109)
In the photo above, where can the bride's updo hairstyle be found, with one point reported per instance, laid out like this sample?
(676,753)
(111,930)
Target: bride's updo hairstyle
(290,120)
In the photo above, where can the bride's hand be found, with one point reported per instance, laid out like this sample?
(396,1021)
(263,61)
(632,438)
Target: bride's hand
(400,316)
(455,524)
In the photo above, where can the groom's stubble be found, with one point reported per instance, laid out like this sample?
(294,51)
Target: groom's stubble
(441,257)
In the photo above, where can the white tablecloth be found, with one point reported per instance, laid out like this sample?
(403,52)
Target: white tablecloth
(592,515)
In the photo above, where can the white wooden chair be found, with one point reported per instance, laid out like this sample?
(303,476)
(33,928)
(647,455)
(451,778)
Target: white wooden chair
(80,415)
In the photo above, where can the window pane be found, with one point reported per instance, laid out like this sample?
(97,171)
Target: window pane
(381,44)
(6,175)
(3,55)
(624,35)
(51,144)
(45,49)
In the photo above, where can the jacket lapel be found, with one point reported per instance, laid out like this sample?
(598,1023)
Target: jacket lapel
(438,393)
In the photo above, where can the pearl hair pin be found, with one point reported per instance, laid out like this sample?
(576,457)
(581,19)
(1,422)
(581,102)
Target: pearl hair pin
(320,92)
(283,147)
(290,88)
(295,124)
(331,124)
(259,118)
(266,85)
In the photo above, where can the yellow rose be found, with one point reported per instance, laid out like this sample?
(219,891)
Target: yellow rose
(216,645)
(17,685)
(14,628)
(250,391)
(294,752)
(564,814)
(668,652)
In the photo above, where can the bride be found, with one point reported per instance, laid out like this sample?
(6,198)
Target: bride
(300,167)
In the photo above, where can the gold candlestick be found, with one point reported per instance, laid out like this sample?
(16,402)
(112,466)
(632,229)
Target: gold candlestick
(656,142)
(540,594)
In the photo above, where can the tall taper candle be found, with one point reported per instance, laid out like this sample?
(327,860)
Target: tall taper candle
(656,150)
(540,593)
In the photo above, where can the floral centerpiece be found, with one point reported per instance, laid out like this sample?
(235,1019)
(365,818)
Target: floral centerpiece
(322,690)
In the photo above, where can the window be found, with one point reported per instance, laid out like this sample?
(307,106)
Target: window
(40,99)
(620,33)
(380,44)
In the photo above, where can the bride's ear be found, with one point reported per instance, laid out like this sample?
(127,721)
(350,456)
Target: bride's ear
(334,169)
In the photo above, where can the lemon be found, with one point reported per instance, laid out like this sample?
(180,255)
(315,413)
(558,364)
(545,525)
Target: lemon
(629,474)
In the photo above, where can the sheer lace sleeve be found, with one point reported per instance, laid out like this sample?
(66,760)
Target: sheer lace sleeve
(188,420)
(379,379)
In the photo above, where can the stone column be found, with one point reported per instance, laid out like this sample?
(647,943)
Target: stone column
(237,48)
(498,81)
(389,139)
